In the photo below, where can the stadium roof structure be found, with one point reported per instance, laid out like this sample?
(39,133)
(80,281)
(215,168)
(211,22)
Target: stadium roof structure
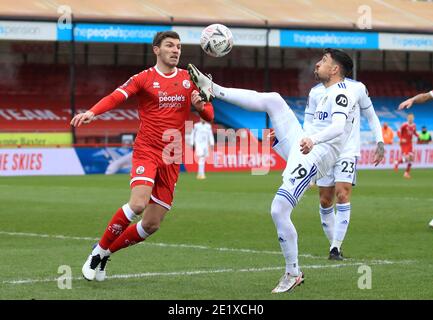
(387,15)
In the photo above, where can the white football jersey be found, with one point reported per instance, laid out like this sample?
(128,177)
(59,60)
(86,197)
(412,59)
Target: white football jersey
(352,147)
(202,135)
(335,99)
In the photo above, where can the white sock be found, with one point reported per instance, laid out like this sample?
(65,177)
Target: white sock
(201,163)
(129,214)
(327,217)
(143,234)
(281,210)
(341,224)
(270,102)
(98,250)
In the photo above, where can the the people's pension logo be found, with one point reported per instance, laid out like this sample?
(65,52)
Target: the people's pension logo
(170,101)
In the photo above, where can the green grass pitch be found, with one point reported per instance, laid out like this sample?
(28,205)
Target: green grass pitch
(218,242)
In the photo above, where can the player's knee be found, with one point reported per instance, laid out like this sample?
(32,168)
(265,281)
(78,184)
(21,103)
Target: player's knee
(276,207)
(280,207)
(150,226)
(274,97)
(137,206)
(342,196)
(326,202)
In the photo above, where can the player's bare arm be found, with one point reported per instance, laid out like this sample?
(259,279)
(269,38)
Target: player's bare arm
(419,98)
(84,117)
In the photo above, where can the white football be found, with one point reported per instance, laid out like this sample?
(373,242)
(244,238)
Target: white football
(216,40)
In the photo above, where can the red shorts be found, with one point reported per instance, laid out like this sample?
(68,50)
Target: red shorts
(406,149)
(149,169)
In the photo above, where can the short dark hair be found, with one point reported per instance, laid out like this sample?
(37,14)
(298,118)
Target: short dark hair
(160,36)
(342,58)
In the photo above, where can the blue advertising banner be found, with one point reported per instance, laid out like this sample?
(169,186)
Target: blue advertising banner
(108,160)
(91,32)
(332,39)
(105,160)
(64,32)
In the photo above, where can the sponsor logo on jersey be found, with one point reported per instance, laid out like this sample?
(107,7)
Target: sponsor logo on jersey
(156,85)
(341,100)
(186,84)
(170,101)
(321,115)
(139,170)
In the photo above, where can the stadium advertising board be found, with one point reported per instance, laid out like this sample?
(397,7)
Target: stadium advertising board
(13,139)
(332,39)
(238,150)
(22,30)
(423,157)
(33,162)
(94,32)
(98,160)
(91,32)
(56,119)
(406,42)
(79,161)
(241,36)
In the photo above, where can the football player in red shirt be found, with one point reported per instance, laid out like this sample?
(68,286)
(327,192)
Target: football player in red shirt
(165,95)
(406,133)
(419,98)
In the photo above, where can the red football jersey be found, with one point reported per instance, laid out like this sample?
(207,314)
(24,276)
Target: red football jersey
(164,104)
(406,133)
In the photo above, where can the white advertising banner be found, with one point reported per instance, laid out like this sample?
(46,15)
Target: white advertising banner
(241,36)
(405,41)
(423,157)
(35,162)
(22,30)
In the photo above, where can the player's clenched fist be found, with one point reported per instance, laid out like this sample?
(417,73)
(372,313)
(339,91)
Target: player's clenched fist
(306,145)
(197,101)
(81,118)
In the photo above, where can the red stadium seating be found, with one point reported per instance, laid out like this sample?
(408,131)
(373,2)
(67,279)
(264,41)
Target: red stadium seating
(48,86)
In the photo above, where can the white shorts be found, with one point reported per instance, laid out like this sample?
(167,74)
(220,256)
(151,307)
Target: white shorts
(201,151)
(344,170)
(300,168)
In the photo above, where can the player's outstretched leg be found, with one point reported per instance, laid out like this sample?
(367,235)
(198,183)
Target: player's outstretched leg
(281,210)
(94,267)
(270,102)
(119,231)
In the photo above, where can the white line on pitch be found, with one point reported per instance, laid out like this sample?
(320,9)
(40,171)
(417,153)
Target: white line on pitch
(173,245)
(187,246)
(197,272)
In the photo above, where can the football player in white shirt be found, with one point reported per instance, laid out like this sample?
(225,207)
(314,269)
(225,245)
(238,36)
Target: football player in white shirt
(342,176)
(308,154)
(419,98)
(202,138)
